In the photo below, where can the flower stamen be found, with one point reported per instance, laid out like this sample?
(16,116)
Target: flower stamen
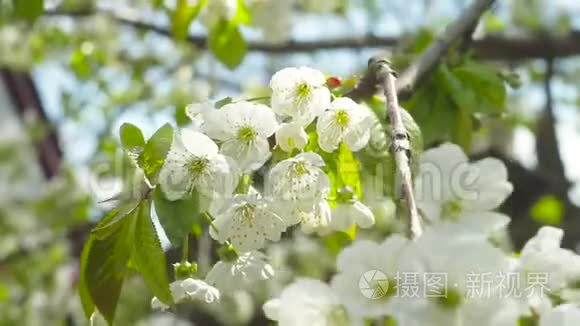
(342,118)
(198,165)
(247,133)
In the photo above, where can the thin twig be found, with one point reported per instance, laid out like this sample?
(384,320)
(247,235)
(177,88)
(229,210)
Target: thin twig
(379,73)
(420,68)
(400,144)
(490,48)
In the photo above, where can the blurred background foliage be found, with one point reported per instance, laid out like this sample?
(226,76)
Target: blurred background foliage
(74,70)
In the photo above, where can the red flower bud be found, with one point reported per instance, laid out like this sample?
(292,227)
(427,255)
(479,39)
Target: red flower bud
(333,82)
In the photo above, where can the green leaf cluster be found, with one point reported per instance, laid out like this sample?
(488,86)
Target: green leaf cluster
(447,105)
(125,237)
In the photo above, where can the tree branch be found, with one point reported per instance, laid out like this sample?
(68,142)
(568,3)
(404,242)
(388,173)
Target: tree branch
(489,48)
(380,74)
(547,149)
(400,144)
(419,69)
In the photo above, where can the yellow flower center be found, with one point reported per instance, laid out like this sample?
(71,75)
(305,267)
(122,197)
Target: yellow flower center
(247,212)
(302,90)
(451,300)
(451,210)
(342,118)
(247,133)
(300,168)
(198,165)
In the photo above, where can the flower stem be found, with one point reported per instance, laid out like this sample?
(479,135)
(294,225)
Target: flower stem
(244,184)
(185,249)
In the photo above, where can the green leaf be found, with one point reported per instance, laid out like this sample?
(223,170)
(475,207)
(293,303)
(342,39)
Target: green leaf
(463,97)
(176,217)
(348,170)
(242,15)
(83,288)
(336,241)
(463,130)
(223,101)
(148,256)
(131,138)
(28,9)
(433,111)
(181,117)
(80,64)
(493,23)
(155,151)
(486,85)
(182,17)
(227,43)
(547,210)
(84,294)
(106,262)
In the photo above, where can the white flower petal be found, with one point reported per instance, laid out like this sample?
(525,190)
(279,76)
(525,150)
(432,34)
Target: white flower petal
(249,156)
(347,214)
(547,238)
(563,315)
(196,111)
(197,143)
(492,184)
(248,223)
(271,308)
(199,290)
(358,136)
(290,136)
(298,179)
(174,177)
(363,216)
(329,133)
(189,289)
(317,220)
(299,93)
(485,223)
(240,274)
(220,179)
(360,258)
(315,301)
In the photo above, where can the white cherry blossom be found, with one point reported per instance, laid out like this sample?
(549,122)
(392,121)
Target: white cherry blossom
(193,163)
(563,315)
(344,215)
(243,129)
(298,182)
(307,302)
(215,11)
(317,220)
(291,136)
(451,188)
(197,111)
(344,121)
(299,94)
(273,17)
(468,290)
(189,289)
(560,267)
(370,260)
(247,222)
(241,273)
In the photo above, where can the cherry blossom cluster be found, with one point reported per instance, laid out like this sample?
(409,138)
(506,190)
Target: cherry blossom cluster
(457,199)
(461,242)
